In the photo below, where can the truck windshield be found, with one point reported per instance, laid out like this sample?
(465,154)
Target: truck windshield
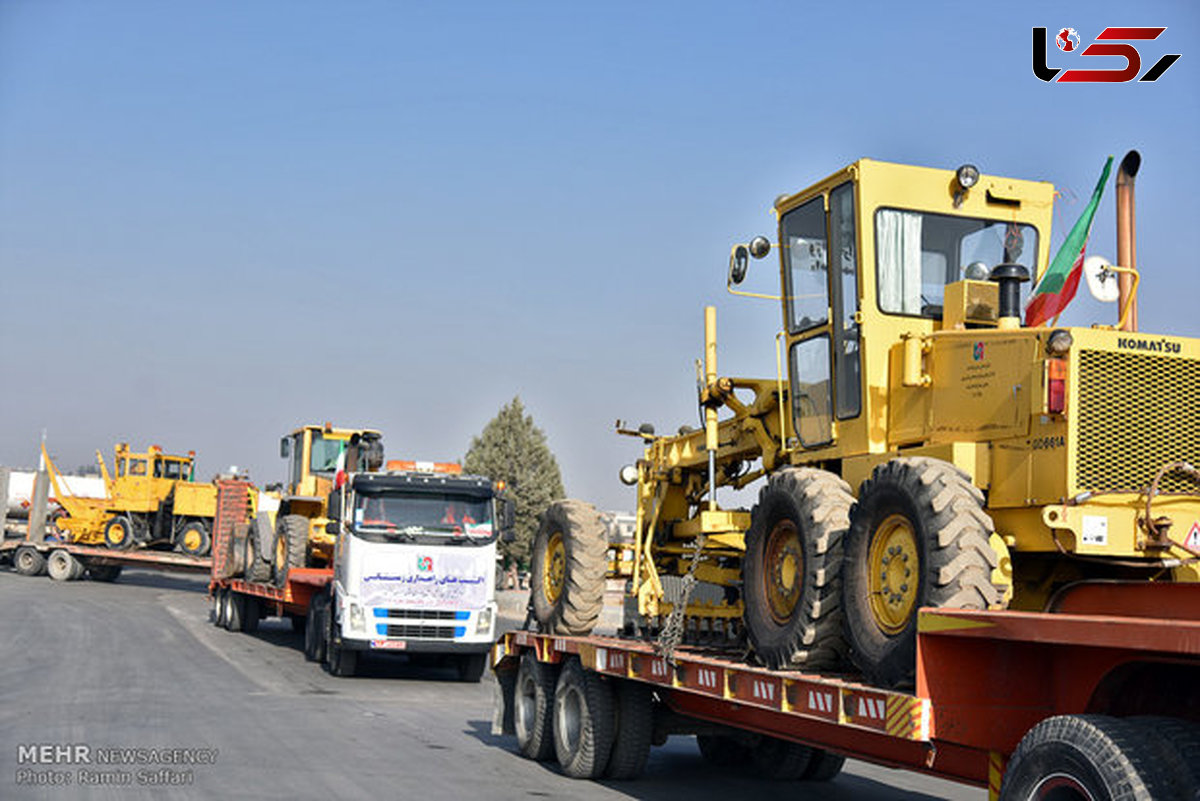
(409,516)
(918,253)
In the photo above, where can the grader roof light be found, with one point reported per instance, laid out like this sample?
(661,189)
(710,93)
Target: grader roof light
(965,176)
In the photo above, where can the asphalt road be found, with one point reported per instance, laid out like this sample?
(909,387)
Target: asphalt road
(137,665)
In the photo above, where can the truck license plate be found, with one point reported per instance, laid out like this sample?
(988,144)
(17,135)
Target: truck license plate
(397,645)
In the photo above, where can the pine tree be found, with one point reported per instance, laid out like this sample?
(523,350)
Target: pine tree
(514,450)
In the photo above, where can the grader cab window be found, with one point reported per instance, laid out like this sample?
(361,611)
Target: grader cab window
(918,253)
(806,258)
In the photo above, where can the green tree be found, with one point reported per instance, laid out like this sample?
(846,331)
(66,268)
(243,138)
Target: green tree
(512,449)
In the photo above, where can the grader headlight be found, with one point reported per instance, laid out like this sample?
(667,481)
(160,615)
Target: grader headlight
(1059,342)
(629,475)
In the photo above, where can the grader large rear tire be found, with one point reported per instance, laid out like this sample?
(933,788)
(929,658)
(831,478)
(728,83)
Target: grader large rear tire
(568,568)
(918,537)
(792,569)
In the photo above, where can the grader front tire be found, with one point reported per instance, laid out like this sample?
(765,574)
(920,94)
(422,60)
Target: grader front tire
(569,568)
(792,569)
(918,537)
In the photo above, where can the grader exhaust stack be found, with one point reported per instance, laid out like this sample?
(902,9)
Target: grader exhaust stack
(1127,235)
(710,409)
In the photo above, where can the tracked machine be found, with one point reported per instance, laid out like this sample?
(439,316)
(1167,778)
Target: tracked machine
(919,446)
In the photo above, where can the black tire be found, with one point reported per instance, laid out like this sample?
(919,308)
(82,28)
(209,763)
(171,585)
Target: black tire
(194,539)
(471,667)
(722,751)
(106,573)
(1177,748)
(312,634)
(823,766)
(568,568)
(533,707)
(936,517)
(633,728)
(257,569)
(29,561)
(792,569)
(583,721)
(342,661)
(291,546)
(118,533)
(62,566)
(221,607)
(1082,756)
(781,760)
(251,614)
(236,609)
(318,613)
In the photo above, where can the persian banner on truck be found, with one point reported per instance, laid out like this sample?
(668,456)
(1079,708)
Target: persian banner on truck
(430,578)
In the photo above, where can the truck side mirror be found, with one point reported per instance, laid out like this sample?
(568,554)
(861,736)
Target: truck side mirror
(333,527)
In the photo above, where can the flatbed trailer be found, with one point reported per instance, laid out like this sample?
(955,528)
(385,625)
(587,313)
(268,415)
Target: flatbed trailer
(985,680)
(64,561)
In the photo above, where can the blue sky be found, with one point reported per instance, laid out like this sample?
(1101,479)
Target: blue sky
(221,219)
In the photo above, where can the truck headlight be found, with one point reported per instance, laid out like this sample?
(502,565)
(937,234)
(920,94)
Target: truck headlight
(357,621)
(485,621)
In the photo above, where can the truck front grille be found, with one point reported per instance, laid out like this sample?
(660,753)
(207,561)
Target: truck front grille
(421,614)
(418,631)
(1136,412)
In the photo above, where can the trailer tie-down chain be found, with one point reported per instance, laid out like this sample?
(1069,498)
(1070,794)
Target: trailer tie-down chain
(672,633)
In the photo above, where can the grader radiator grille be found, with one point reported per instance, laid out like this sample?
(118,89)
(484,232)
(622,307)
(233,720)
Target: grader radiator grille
(1136,412)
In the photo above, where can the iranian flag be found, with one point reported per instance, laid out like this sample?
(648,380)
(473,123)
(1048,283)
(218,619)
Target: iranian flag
(1058,284)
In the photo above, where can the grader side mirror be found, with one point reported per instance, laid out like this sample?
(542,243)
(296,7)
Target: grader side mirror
(739,260)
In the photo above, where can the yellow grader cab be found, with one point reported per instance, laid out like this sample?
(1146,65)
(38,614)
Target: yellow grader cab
(152,499)
(919,446)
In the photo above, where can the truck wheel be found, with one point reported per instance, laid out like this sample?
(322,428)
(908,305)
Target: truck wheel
(251,614)
(106,573)
(533,707)
(471,667)
(257,570)
(118,533)
(1082,757)
(633,727)
(311,634)
(291,546)
(319,615)
(782,760)
(62,566)
(29,561)
(792,569)
(237,606)
(220,607)
(823,766)
(342,661)
(194,539)
(569,568)
(918,537)
(583,721)
(722,750)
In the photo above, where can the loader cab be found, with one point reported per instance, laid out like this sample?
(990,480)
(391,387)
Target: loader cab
(874,255)
(315,454)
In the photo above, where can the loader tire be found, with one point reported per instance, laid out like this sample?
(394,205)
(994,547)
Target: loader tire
(633,730)
(918,537)
(569,567)
(291,546)
(118,533)
(1085,756)
(792,569)
(63,566)
(194,539)
(257,569)
(583,721)
(29,561)
(533,707)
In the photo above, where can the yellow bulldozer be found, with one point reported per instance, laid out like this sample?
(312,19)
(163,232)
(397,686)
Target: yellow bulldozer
(918,447)
(153,498)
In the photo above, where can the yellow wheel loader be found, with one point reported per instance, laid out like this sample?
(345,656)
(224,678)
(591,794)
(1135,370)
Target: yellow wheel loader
(918,447)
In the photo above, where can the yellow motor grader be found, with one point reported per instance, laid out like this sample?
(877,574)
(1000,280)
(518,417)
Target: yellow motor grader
(919,447)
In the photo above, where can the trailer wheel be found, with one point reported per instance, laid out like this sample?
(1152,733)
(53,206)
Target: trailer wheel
(237,608)
(118,533)
(62,566)
(533,707)
(194,539)
(722,750)
(29,561)
(220,607)
(257,569)
(782,760)
(583,721)
(106,573)
(291,546)
(471,667)
(823,766)
(792,569)
(918,537)
(1178,748)
(1084,757)
(251,614)
(633,730)
(568,568)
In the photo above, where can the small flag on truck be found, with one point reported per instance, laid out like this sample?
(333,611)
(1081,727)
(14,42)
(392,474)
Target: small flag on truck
(1057,286)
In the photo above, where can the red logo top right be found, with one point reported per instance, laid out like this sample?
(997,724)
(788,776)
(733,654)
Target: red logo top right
(1111,42)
